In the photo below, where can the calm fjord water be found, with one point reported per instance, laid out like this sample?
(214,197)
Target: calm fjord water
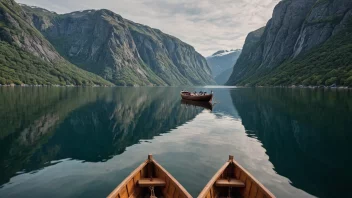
(82,142)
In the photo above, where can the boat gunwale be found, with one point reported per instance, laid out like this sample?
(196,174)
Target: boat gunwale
(115,192)
(127,179)
(200,98)
(181,188)
(255,180)
(212,181)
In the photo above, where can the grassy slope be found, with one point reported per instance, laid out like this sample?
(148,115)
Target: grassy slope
(19,66)
(327,64)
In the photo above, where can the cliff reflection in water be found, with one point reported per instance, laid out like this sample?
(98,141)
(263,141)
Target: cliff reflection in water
(305,133)
(86,124)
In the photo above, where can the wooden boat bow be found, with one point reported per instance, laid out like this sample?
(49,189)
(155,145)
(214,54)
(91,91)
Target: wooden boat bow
(149,179)
(232,180)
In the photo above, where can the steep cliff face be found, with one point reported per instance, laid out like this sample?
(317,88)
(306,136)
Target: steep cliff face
(16,29)
(251,53)
(27,57)
(296,29)
(120,50)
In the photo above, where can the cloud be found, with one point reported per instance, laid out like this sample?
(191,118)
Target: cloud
(208,25)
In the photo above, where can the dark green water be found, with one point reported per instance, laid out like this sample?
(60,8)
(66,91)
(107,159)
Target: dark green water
(82,142)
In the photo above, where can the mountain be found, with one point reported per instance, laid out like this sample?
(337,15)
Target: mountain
(119,50)
(26,57)
(221,61)
(307,42)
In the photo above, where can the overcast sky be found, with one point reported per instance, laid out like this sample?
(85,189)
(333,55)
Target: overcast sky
(208,25)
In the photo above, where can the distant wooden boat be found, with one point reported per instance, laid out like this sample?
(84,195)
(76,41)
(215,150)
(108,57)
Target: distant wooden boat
(204,104)
(232,180)
(190,96)
(149,179)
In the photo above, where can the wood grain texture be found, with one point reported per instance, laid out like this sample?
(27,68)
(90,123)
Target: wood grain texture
(137,183)
(243,184)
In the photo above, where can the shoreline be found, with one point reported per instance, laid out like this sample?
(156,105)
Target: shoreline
(25,85)
(213,86)
(301,87)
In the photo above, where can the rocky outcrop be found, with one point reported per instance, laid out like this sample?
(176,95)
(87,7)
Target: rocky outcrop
(251,53)
(296,28)
(26,57)
(120,50)
(17,29)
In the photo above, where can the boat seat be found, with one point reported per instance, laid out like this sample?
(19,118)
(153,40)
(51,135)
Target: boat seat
(146,182)
(232,183)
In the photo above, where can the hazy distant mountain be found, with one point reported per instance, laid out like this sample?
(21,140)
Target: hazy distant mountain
(307,42)
(221,61)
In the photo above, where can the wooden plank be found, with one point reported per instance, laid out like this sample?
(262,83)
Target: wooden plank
(177,193)
(237,173)
(243,177)
(260,194)
(248,188)
(266,192)
(229,183)
(146,182)
(143,172)
(115,193)
(171,190)
(136,178)
(173,180)
(123,193)
(254,191)
(130,187)
(136,193)
(210,184)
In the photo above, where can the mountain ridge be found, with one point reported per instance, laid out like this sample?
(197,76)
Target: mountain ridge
(134,54)
(26,57)
(287,51)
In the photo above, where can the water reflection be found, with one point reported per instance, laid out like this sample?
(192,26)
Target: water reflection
(306,134)
(89,124)
(205,105)
(295,141)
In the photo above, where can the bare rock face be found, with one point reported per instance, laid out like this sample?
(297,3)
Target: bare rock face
(324,20)
(120,50)
(296,28)
(251,53)
(283,30)
(22,34)
(27,57)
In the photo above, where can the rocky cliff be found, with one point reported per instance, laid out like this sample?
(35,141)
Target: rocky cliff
(288,50)
(121,51)
(27,57)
